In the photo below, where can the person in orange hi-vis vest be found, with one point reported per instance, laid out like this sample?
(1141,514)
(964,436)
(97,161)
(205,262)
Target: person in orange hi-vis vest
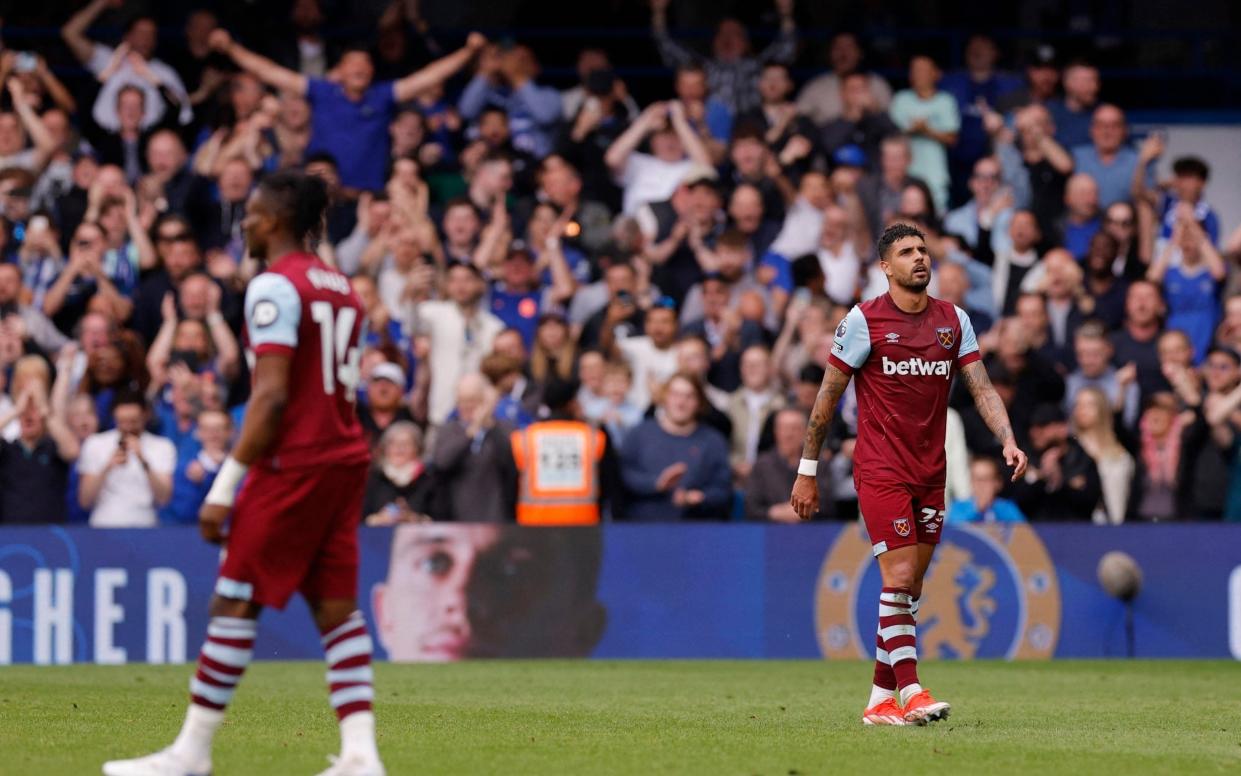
(567,470)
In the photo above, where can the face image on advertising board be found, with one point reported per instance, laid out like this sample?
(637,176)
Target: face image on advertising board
(458,591)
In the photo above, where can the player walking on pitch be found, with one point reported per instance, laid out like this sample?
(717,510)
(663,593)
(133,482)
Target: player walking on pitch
(294,525)
(904,347)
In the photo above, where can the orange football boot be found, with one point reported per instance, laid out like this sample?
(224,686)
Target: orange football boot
(884,713)
(922,709)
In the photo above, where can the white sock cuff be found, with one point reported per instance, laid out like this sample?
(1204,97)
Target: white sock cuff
(201,715)
(232,627)
(909,691)
(357,734)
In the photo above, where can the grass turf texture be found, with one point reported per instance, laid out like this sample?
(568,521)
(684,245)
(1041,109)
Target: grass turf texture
(588,718)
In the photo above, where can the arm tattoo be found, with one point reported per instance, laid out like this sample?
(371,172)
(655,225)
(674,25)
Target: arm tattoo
(833,387)
(988,402)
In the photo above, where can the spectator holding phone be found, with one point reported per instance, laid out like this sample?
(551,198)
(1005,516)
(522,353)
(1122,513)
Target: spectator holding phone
(126,472)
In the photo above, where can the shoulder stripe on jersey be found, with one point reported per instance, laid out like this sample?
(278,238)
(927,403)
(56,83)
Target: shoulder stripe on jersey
(852,342)
(273,311)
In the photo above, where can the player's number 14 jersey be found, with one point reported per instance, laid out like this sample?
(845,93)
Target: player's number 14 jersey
(303,308)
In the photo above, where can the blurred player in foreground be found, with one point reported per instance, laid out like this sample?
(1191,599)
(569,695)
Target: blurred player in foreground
(904,347)
(294,525)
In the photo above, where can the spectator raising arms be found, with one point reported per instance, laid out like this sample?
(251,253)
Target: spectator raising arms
(350,114)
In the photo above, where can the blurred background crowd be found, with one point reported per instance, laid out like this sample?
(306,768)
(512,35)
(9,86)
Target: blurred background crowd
(661,245)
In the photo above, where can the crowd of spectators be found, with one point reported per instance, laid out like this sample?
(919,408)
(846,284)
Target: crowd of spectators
(681,266)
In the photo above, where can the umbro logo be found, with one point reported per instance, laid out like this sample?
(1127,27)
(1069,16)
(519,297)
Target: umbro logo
(892,336)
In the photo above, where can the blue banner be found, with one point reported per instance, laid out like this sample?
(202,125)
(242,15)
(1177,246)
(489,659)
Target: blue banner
(450,591)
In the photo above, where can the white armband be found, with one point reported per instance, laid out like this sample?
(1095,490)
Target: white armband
(808,467)
(224,489)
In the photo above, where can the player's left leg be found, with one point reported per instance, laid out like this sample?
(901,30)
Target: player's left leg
(883,687)
(920,706)
(331,589)
(347,648)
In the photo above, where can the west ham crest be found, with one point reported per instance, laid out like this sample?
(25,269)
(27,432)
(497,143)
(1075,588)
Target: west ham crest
(901,525)
(945,336)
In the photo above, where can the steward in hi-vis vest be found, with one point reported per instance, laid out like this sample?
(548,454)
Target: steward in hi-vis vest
(566,467)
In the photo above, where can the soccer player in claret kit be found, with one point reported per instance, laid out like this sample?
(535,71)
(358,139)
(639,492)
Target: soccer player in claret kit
(904,348)
(294,524)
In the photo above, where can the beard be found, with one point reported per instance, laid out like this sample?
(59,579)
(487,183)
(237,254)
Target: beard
(914,282)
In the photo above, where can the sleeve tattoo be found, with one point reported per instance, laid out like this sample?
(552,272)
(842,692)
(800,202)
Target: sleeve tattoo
(833,387)
(988,402)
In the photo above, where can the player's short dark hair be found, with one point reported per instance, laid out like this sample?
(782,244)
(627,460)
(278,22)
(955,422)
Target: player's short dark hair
(299,199)
(126,396)
(1191,167)
(892,234)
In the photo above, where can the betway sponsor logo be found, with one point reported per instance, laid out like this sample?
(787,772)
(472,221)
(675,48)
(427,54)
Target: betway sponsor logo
(917,367)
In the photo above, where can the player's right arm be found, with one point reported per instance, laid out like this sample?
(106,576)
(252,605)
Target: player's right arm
(805,498)
(273,314)
(850,350)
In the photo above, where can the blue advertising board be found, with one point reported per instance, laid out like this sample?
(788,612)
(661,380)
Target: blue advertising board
(450,591)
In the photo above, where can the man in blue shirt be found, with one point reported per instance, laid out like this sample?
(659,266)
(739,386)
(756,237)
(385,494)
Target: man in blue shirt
(1108,158)
(350,115)
(1081,214)
(1072,113)
(518,297)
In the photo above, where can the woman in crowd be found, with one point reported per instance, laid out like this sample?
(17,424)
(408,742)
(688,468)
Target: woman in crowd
(398,489)
(1094,426)
(554,352)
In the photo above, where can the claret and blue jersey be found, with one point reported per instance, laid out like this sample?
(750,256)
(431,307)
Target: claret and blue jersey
(902,364)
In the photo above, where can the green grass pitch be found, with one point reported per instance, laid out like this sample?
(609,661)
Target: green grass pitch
(589,718)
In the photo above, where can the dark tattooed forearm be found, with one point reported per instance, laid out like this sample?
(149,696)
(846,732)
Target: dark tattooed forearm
(833,387)
(990,405)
